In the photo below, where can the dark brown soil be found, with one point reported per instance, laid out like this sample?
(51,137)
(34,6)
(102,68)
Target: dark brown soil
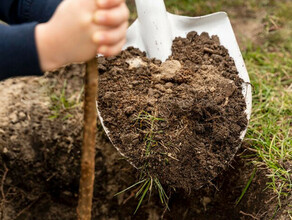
(179,120)
(42,158)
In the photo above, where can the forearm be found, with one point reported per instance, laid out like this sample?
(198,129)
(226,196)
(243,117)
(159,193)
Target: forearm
(18,52)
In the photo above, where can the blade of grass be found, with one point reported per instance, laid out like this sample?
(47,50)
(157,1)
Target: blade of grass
(141,189)
(150,189)
(162,195)
(142,197)
(130,187)
(246,187)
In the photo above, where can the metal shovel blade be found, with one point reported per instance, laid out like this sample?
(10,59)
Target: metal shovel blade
(155,29)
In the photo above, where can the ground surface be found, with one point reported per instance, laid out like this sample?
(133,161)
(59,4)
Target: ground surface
(41,125)
(40,160)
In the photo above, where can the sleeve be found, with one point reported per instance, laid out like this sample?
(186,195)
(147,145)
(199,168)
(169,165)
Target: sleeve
(18,52)
(20,11)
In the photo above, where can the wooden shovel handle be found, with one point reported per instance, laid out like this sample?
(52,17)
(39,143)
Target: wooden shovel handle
(88,145)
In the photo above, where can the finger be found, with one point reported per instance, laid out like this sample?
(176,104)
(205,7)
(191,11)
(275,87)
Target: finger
(111,50)
(105,4)
(102,28)
(111,36)
(112,17)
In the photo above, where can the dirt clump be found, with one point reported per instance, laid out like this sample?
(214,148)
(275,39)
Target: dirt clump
(180,120)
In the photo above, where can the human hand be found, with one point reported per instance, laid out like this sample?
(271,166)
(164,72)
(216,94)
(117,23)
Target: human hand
(79,29)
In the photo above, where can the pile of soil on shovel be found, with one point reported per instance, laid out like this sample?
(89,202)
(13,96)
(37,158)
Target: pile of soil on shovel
(179,120)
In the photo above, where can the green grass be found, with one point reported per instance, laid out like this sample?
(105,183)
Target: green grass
(246,187)
(148,126)
(269,131)
(61,103)
(270,69)
(145,187)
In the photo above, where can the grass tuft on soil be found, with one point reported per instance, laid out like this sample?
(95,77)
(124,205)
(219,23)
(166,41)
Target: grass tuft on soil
(61,103)
(145,186)
(147,123)
(148,126)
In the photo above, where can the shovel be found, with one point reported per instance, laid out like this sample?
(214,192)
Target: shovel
(155,29)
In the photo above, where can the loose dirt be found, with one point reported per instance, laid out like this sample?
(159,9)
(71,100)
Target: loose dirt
(179,120)
(40,162)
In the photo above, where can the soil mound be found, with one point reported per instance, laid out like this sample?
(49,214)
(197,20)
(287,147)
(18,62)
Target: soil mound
(179,120)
